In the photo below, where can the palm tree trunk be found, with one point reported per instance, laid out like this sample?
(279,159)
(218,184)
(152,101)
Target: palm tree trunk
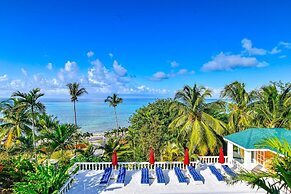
(75,113)
(33,133)
(116,121)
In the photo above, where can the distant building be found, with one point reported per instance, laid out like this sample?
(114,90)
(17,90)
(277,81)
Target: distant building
(242,146)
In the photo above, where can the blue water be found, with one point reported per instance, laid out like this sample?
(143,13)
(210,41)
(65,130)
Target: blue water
(94,115)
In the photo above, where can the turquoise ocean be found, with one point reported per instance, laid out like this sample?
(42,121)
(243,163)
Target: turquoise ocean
(94,115)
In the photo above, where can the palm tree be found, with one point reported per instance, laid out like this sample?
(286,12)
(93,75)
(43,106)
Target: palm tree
(273,105)
(112,144)
(114,100)
(239,116)
(75,92)
(62,137)
(203,130)
(172,151)
(279,177)
(30,102)
(14,122)
(25,146)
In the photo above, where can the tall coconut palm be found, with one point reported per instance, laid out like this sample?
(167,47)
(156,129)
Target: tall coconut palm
(14,122)
(273,105)
(113,101)
(203,130)
(30,102)
(75,92)
(238,105)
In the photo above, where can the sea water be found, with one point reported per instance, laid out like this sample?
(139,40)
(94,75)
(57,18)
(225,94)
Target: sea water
(94,115)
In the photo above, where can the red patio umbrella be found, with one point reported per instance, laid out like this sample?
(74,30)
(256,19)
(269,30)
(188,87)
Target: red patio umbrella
(221,156)
(114,158)
(186,157)
(152,157)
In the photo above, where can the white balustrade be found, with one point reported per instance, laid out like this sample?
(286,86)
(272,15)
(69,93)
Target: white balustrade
(211,159)
(135,166)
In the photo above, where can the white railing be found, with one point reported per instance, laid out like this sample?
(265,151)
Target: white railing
(67,185)
(211,159)
(133,166)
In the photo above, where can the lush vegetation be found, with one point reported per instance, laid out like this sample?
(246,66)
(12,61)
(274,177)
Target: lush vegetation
(170,125)
(31,140)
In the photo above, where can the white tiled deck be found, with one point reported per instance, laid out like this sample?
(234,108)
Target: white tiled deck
(87,182)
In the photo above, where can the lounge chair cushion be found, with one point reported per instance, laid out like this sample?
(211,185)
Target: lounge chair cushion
(145,176)
(216,173)
(160,175)
(106,175)
(180,175)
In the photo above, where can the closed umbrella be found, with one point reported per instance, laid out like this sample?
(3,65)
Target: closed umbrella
(186,157)
(114,158)
(221,156)
(152,157)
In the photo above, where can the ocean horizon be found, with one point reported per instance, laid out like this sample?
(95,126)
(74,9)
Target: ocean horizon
(94,115)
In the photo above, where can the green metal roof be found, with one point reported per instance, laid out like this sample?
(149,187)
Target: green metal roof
(250,137)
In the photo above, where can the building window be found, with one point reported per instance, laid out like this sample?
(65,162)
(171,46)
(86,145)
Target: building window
(260,157)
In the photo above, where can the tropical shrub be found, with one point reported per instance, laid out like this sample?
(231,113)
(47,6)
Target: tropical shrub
(46,179)
(150,128)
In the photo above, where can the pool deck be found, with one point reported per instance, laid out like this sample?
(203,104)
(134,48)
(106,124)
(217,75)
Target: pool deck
(87,182)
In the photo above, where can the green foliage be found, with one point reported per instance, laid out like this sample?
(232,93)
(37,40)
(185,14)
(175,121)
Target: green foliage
(87,155)
(200,130)
(14,123)
(123,150)
(272,105)
(14,170)
(45,180)
(149,128)
(62,137)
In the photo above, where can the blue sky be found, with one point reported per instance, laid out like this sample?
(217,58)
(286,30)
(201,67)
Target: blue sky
(142,48)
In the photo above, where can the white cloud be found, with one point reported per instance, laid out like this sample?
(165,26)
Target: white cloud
(69,72)
(3,78)
(49,66)
(248,46)
(23,71)
(159,76)
(110,55)
(285,44)
(275,50)
(90,54)
(228,62)
(283,56)
(182,71)
(119,70)
(174,64)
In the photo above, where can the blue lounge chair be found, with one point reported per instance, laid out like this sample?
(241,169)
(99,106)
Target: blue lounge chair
(160,176)
(216,173)
(106,176)
(180,175)
(228,170)
(145,179)
(197,177)
(121,176)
